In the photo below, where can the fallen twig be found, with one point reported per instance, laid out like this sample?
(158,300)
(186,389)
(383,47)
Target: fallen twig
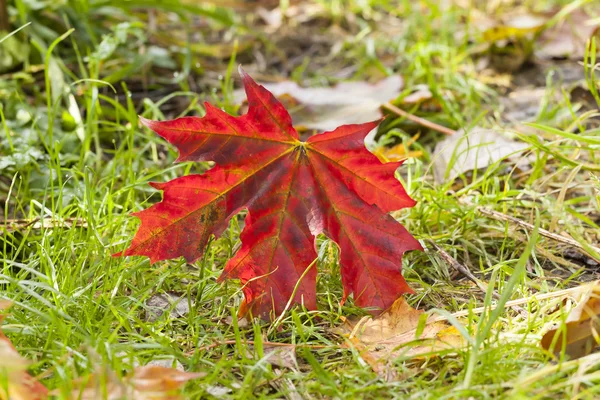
(511,303)
(418,120)
(466,272)
(559,238)
(272,344)
(460,268)
(38,223)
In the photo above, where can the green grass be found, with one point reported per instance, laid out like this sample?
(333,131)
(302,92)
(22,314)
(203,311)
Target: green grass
(75,158)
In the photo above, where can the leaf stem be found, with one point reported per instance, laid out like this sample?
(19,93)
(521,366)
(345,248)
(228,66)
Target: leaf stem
(291,299)
(418,120)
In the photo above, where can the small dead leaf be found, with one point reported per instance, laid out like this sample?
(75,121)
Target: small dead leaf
(523,104)
(13,370)
(284,357)
(103,384)
(579,333)
(218,391)
(242,322)
(278,356)
(272,18)
(395,334)
(169,362)
(156,382)
(159,303)
(150,382)
(324,109)
(285,386)
(420,100)
(568,38)
(421,95)
(467,151)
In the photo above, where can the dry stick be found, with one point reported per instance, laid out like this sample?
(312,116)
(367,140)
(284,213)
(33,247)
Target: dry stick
(16,224)
(418,120)
(466,272)
(559,238)
(272,344)
(4,21)
(22,223)
(461,268)
(524,300)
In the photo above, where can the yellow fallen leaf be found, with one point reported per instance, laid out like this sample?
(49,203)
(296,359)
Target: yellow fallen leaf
(579,332)
(159,383)
(398,152)
(396,334)
(514,26)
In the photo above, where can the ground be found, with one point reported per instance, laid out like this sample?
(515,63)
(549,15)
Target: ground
(75,164)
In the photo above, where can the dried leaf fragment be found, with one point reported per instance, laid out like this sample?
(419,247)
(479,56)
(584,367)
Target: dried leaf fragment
(569,37)
(103,384)
(157,304)
(283,356)
(466,151)
(150,382)
(579,332)
(156,382)
(15,381)
(396,333)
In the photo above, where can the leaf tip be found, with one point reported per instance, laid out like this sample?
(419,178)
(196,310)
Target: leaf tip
(158,185)
(246,78)
(146,122)
(410,203)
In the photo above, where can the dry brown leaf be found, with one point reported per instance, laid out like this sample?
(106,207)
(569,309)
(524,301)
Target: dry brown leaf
(157,304)
(579,333)
(13,370)
(466,151)
(100,385)
(281,356)
(523,104)
(325,108)
(150,382)
(568,38)
(393,334)
(278,356)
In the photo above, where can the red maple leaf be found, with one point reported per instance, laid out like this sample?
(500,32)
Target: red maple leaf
(293,191)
